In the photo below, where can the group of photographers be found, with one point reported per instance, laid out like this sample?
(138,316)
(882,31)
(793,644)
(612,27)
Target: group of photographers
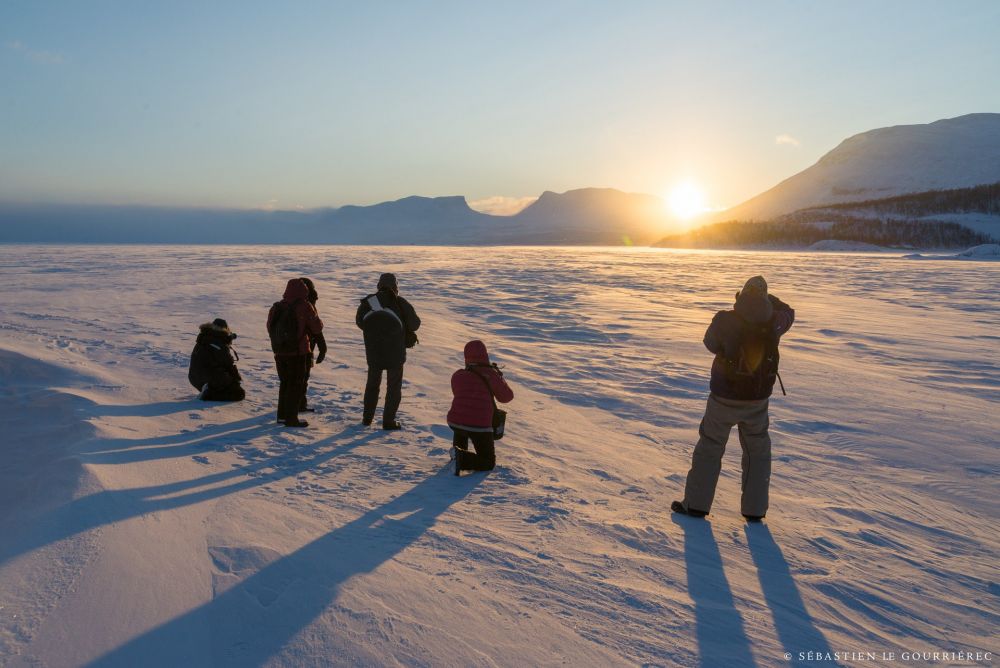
(389,324)
(743,339)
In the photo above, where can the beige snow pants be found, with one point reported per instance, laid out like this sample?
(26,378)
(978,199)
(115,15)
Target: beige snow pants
(751,419)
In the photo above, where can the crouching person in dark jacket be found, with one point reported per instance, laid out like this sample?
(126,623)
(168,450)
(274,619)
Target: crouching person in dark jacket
(745,343)
(389,324)
(213,364)
(471,416)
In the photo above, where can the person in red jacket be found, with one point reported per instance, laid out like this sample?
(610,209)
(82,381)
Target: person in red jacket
(471,415)
(293,325)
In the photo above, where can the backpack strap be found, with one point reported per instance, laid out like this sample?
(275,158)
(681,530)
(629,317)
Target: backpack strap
(489,388)
(375,305)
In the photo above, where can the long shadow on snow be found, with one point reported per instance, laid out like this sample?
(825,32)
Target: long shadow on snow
(243,629)
(796,628)
(155,409)
(109,506)
(185,443)
(719,626)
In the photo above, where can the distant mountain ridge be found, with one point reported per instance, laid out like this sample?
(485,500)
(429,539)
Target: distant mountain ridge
(887,162)
(863,170)
(587,216)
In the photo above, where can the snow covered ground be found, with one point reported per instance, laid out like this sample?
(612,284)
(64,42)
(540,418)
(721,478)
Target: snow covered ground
(142,527)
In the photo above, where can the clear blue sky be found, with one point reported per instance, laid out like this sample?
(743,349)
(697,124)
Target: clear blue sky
(317,103)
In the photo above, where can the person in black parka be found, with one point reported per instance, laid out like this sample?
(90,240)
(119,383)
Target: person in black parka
(389,324)
(213,364)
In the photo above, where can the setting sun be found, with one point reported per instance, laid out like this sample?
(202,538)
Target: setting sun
(686,200)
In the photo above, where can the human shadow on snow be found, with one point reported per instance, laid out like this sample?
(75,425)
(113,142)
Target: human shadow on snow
(722,641)
(252,621)
(108,506)
(154,409)
(181,444)
(796,629)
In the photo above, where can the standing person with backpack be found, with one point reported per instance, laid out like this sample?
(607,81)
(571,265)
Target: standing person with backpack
(292,325)
(745,343)
(476,389)
(316,342)
(389,324)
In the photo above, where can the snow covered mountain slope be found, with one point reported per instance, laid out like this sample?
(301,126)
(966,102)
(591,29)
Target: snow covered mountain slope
(140,527)
(950,153)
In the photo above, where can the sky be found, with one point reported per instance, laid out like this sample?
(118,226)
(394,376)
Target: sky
(311,104)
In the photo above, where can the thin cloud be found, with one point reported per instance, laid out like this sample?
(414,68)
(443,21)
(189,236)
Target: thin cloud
(787,140)
(501,206)
(36,55)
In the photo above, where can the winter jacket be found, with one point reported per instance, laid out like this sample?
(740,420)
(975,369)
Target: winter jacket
(745,343)
(472,406)
(310,325)
(386,331)
(212,360)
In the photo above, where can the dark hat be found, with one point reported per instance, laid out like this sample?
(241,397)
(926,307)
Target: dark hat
(755,286)
(388,281)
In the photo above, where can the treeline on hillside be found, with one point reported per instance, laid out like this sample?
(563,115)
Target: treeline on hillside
(788,233)
(976,199)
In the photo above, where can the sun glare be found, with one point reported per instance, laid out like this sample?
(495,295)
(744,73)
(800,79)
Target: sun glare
(686,200)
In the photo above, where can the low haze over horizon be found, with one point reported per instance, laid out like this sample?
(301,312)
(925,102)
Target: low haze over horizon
(322,104)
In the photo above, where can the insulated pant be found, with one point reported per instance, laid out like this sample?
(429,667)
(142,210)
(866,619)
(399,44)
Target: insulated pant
(291,374)
(232,392)
(751,419)
(393,393)
(483,459)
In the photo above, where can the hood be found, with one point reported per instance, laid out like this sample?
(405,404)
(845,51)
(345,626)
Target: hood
(475,353)
(295,290)
(209,330)
(313,296)
(753,308)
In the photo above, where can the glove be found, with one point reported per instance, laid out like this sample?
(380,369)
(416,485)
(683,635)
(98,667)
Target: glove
(321,356)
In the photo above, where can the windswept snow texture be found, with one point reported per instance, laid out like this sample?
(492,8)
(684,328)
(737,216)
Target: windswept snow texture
(141,527)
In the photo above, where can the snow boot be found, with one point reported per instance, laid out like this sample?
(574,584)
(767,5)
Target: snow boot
(678,507)
(298,424)
(391,426)
(366,421)
(753,519)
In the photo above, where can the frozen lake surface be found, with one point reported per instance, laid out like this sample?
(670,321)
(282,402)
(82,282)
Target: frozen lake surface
(142,527)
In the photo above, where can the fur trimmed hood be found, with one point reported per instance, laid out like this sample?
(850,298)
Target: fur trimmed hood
(215,331)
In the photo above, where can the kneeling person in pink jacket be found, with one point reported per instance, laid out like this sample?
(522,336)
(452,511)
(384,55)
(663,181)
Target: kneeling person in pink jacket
(471,415)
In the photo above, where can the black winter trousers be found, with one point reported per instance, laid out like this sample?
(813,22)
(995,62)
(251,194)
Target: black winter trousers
(292,376)
(483,459)
(393,393)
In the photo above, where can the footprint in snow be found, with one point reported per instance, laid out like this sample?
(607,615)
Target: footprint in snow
(200,459)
